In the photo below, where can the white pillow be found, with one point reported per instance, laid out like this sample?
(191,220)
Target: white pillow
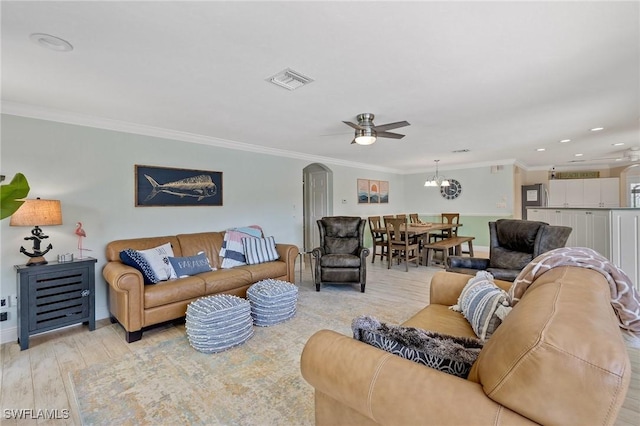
(158,260)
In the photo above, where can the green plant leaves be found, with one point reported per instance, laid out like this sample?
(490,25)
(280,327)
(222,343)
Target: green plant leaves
(11,193)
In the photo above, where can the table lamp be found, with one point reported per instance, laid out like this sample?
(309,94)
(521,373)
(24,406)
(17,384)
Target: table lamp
(37,213)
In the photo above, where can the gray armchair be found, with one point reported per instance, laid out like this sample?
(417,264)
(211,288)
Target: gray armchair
(513,244)
(341,257)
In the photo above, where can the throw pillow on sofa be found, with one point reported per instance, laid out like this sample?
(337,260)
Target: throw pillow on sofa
(259,250)
(232,250)
(450,354)
(152,263)
(190,265)
(483,304)
(132,258)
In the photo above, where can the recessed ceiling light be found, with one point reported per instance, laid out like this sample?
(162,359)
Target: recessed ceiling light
(540,149)
(51,42)
(597,129)
(618,159)
(579,155)
(565,140)
(618,144)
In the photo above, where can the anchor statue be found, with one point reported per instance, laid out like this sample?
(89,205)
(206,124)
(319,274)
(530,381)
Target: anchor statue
(37,257)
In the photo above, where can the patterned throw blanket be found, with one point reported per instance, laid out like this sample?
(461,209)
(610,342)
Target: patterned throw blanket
(624,297)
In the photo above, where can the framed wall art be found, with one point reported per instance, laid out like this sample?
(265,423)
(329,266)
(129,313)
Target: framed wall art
(165,186)
(372,191)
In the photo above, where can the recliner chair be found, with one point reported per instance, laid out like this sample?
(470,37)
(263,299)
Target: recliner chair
(513,244)
(341,257)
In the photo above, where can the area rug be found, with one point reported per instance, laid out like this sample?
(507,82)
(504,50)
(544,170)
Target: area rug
(256,383)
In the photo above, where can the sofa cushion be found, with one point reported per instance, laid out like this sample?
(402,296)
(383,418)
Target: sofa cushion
(483,304)
(259,250)
(190,265)
(449,354)
(262,271)
(223,280)
(168,292)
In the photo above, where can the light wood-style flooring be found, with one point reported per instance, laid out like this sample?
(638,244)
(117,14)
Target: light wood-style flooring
(38,378)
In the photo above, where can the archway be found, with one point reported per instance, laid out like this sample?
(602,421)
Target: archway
(630,183)
(317,201)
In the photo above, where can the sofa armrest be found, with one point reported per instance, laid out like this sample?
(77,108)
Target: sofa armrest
(388,389)
(126,294)
(288,253)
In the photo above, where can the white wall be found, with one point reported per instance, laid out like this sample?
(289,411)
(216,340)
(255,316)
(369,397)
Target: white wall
(92,172)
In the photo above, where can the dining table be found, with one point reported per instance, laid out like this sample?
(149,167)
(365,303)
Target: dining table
(423,229)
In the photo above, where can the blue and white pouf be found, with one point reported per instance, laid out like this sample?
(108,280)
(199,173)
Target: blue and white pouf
(272,301)
(217,323)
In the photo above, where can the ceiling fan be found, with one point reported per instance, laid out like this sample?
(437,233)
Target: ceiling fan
(631,154)
(367,132)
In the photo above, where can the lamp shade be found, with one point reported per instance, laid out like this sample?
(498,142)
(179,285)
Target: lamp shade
(37,213)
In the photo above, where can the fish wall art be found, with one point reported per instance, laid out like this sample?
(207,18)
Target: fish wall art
(165,186)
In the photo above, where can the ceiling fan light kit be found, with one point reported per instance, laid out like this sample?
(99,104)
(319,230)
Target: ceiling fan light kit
(367,133)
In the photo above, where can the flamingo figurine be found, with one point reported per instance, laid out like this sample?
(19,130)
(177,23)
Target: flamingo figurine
(81,234)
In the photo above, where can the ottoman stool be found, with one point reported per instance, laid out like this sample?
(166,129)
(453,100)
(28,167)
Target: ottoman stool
(272,301)
(216,323)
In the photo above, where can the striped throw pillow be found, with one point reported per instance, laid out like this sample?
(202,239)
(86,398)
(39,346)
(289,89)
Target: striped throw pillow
(259,250)
(483,304)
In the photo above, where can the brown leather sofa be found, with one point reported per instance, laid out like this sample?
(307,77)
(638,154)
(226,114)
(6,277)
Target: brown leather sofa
(135,305)
(558,358)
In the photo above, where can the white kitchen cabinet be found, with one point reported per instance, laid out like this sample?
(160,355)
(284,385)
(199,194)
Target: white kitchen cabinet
(578,193)
(614,233)
(603,192)
(592,229)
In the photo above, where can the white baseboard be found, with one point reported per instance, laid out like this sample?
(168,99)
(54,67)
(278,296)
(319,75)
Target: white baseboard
(8,335)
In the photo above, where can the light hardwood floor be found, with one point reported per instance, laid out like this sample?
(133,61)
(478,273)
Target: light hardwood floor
(38,378)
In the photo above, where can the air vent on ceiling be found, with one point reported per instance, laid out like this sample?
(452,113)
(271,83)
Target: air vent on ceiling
(458,151)
(289,79)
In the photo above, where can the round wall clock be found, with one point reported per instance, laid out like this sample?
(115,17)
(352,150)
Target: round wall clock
(452,191)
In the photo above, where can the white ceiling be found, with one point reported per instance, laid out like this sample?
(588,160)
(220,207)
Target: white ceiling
(498,78)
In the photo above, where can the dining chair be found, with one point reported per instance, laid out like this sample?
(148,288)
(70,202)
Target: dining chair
(399,245)
(413,218)
(379,238)
(401,216)
(387,217)
(449,218)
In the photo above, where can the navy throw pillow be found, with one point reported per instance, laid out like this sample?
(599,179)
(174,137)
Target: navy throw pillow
(132,258)
(191,265)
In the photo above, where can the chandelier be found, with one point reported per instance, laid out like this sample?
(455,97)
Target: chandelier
(437,180)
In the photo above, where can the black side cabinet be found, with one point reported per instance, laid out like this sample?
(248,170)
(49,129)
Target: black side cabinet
(55,295)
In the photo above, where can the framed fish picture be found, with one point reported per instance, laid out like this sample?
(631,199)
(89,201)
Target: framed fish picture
(165,186)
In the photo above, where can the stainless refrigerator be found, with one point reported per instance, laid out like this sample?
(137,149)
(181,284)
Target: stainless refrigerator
(533,196)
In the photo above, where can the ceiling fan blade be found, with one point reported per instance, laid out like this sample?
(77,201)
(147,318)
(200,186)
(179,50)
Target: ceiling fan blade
(390,126)
(355,126)
(389,135)
(353,141)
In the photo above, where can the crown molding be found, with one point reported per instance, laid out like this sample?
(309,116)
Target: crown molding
(43,113)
